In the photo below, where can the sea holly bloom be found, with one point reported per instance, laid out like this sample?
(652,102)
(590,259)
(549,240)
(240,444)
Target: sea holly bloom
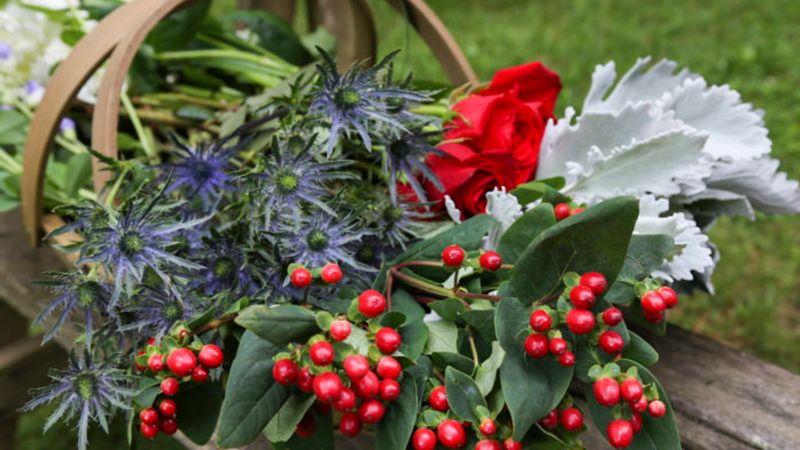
(135,240)
(155,311)
(73,292)
(356,98)
(84,215)
(87,389)
(401,222)
(203,170)
(405,155)
(225,267)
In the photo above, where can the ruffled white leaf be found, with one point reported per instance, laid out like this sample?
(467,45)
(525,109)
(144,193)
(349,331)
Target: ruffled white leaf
(692,252)
(640,84)
(735,130)
(658,166)
(566,147)
(452,211)
(759,181)
(505,208)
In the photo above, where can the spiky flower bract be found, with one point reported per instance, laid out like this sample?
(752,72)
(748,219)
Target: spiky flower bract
(73,292)
(156,310)
(405,155)
(87,389)
(226,268)
(202,170)
(135,240)
(355,99)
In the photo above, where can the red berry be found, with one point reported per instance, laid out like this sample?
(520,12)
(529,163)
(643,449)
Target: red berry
(438,399)
(181,362)
(567,359)
(653,303)
(453,256)
(571,419)
(305,380)
(139,367)
(654,317)
(321,353)
(350,424)
(170,386)
(536,345)
(488,427)
(148,415)
(147,430)
(640,405)
(211,356)
(595,281)
(346,400)
(388,367)
(167,407)
(669,296)
(657,408)
(488,444)
(305,428)
(331,273)
(151,341)
(356,366)
(389,389)
(558,346)
(388,340)
(169,425)
(451,434)
(156,363)
(301,277)
(582,297)
(606,391)
(612,317)
(636,422)
(371,411)
(631,390)
(540,320)
(371,303)
(424,439)
(580,321)
(611,342)
(490,261)
(340,330)
(550,421)
(327,387)
(620,433)
(368,386)
(562,211)
(200,374)
(510,444)
(284,371)
(577,211)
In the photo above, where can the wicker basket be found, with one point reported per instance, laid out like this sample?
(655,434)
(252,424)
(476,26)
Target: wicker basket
(116,39)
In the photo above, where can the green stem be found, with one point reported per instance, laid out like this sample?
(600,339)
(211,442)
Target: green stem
(137,125)
(472,347)
(115,189)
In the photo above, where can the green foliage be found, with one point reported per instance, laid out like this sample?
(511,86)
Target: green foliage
(463,395)
(524,230)
(200,408)
(279,325)
(394,431)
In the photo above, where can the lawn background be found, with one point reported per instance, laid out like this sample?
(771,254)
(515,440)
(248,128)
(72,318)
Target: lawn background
(751,45)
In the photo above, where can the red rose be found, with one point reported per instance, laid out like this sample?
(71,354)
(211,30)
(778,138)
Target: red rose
(495,141)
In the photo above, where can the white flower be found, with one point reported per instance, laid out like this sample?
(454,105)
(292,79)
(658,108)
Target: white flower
(500,205)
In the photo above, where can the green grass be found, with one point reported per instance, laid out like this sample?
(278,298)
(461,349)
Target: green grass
(750,45)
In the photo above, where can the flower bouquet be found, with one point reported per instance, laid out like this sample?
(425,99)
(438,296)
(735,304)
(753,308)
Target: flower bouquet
(350,254)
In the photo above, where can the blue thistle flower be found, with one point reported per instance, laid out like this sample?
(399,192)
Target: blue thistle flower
(406,154)
(356,98)
(399,223)
(226,268)
(202,170)
(320,239)
(137,239)
(91,390)
(157,310)
(293,177)
(82,216)
(73,292)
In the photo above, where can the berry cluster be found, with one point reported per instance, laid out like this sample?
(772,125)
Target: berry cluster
(545,339)
(629,398)
(358,386)
(181,364)
(563,210)
(571,419)
(655,302)
(301,277)
(454,257)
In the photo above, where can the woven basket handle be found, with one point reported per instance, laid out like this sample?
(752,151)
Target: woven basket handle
(125,29)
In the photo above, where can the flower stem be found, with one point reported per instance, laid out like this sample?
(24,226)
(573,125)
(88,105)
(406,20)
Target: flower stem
(214,324)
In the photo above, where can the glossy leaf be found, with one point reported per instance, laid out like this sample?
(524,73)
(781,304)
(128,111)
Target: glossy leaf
(524,230)
(279,325)
(640,350)
(394,431)
(282,426)
(487,372)
(199,410)
(463,395)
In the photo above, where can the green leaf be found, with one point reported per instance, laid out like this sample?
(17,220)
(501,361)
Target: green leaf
(358,340)
(194,113)
(421,371)
(448,309)
(463,395)
(594,240)
(640,350)
(175,31)
(147,391)
(199,410)
(279,325)
(481,320)
(534,190)
(487,372)
(394,431)
(443,360)
(531,387)
(443,337)
(393,319)
(252,397)
(274,35)
(13,127)
(656,434)
(414,332)
(322,439)
(524,230)
(282,426)
(645,254)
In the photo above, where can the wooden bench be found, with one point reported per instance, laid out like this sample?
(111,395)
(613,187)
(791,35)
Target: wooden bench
(724,399)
